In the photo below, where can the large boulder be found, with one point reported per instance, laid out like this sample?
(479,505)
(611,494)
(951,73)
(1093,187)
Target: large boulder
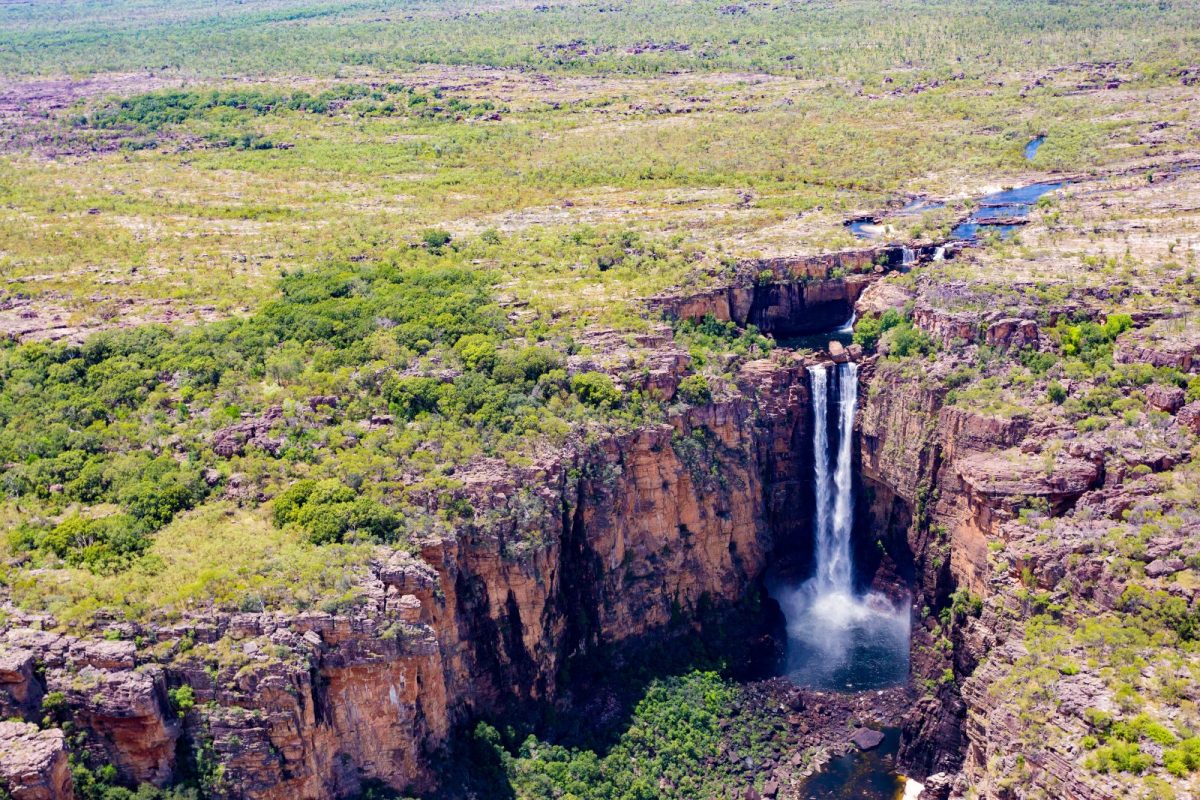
(1164,398)
(33,763)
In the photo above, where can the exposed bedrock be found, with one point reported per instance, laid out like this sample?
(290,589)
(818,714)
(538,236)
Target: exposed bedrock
(792,296)
(605,543)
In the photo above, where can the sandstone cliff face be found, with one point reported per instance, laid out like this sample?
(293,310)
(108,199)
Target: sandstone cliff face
(791,296)
(1023,511)
(609,542)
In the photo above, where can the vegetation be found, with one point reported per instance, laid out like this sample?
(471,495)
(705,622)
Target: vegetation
(682,741)
(281,281)
(842,41)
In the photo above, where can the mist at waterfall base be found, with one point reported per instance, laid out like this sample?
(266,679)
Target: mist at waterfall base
(839,639)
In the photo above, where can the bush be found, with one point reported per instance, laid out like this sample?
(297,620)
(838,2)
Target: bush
(182,699)
(408,397)
(869,329)
(1120,757)
(477,351)
(595,389)
(435,239)
(694,390)
(100,545)
(1057,393)
(330,512)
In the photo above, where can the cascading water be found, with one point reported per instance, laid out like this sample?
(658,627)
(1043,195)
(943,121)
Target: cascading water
(834,499)
(837,638)
(908,256)
(940,253)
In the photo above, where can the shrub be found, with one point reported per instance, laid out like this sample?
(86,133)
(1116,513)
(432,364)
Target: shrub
(435,239)
(330,512)
(477,351)
(408,397)
(595,389)
(182,699)
(694,390)
(868,329)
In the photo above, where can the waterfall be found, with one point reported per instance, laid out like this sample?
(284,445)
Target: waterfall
(940,253)
(838,569)
(848,325)
(822,490)
(839,638)
(908,256)
(833,523)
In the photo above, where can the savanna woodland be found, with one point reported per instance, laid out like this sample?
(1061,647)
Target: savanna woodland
(613,399)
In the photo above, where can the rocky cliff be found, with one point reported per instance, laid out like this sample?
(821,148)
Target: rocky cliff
(1035,544)
(611,541)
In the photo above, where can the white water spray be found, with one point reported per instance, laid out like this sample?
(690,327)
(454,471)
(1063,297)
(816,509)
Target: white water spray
(940,253)
(908,256)
(841,639)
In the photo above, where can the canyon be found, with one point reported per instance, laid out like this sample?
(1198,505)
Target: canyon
(608,546)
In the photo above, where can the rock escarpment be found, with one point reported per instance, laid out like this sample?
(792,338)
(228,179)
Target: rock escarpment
(609,542)
(1037,540)
(792,296)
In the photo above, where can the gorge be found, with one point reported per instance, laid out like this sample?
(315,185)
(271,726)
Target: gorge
(662,533)
(513,459)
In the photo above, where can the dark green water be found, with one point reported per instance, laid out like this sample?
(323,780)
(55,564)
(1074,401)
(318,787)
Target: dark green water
(820,341)
(866,775)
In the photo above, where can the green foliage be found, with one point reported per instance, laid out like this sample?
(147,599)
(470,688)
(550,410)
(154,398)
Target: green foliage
(477,351)
(182,699)
(868,329)
(1090,342)
(1184,759)
(1119,757)
(331,512)
(99,544)
(893,328)
(595,389)
(707,337)
(101,784)
(694,390)
(1056,393)
(675,738)
(847,43)
(435,239)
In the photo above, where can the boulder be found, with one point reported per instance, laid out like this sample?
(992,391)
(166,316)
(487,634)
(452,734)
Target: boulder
(880,296)
(233,440)
(1161,567)
(20,691)
(103,654)
(1189,417)
(838,353)
(1013,334)
(866,738)
(33,763)
(1165,398)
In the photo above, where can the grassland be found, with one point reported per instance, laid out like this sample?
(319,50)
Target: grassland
(858,40)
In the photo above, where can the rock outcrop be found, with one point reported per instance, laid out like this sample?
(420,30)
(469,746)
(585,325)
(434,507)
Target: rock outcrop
(631,537)
(33,763)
